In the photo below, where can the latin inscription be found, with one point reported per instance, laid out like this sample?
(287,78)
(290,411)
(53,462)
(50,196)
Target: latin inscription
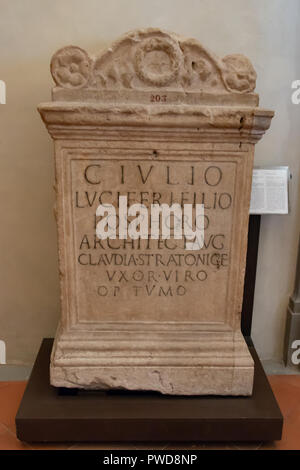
(152,279)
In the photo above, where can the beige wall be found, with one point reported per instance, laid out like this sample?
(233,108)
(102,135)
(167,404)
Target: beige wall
(267,31)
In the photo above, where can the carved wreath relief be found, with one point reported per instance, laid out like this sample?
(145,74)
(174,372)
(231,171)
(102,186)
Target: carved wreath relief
(153,58)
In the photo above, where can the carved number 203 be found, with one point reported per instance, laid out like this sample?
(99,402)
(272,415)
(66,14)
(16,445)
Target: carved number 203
(158,98)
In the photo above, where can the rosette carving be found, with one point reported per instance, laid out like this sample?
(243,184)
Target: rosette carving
(239,74)
(71,67)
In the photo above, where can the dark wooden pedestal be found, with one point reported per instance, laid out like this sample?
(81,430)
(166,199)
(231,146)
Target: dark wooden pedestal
(52,415)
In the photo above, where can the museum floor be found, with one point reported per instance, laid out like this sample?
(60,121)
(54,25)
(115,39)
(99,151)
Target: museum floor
(285,387)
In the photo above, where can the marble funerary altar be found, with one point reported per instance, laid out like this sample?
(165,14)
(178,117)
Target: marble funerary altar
(159,119)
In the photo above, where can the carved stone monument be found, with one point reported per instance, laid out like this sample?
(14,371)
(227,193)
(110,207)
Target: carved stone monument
(161,120)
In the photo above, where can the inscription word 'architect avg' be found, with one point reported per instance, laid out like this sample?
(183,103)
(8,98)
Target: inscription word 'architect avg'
(161,120)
